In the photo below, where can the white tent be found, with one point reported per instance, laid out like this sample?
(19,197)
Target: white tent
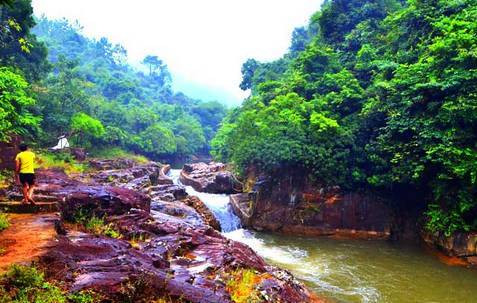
(62,143)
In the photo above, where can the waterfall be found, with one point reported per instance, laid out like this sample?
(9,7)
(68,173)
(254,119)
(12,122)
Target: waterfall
(218,204)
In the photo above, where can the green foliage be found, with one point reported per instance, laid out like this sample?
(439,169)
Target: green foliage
(23,284)
(84,297)
(18,47)
(85,127)
(93,224)
(98,227)
(374,95)
(62,160)
(91,78)
(156,139)
(15,105)
(4,222)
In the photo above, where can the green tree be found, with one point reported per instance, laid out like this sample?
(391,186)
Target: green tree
(18,47)
(15,105)
(381,97)
(85,128)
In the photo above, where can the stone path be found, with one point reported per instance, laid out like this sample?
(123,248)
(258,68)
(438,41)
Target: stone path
(28,237)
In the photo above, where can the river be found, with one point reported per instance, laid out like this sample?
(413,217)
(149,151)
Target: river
(352,270)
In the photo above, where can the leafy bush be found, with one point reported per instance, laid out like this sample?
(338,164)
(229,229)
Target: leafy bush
(95,225)
(4,222)
(27,284)
(15,103)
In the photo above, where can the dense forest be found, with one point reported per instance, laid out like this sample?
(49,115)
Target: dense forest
(376,95)
(55,81)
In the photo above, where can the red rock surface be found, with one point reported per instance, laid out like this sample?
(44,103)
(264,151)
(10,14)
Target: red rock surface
(166,248)
(210,178)
(292,204)
(460,245)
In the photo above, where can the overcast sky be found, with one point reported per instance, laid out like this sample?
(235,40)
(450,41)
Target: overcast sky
(204,42)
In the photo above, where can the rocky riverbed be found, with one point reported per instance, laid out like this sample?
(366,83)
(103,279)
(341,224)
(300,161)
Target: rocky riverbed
(289,203)
(153,241)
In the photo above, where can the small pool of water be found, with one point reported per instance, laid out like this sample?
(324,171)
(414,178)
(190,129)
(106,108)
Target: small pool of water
(365,271)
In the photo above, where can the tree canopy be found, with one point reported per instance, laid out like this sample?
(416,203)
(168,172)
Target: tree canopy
(377,95)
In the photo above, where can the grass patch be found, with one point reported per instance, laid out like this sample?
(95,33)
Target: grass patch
(4,222)
(116,152)
(61,160)
(242,285)
(23,284)
(95,225)
(137,239)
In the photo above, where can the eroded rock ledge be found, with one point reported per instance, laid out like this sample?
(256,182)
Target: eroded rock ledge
(290,203)
(162,247)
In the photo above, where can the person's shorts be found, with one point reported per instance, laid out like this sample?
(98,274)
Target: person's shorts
(27,179)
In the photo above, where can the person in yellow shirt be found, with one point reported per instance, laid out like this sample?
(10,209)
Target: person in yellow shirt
(25,172)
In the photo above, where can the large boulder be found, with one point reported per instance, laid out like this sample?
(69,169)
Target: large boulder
(102,201)
(210,178)
(291,203)
(461,244)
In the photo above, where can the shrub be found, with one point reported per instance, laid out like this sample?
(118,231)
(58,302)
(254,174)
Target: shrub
(94,224)
(4,223)
(242,286)
(27,284)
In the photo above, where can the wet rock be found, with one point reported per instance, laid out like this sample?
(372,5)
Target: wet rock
(168,192)
(110,164)
(291,203)
(182,210)
(460,244)
(210,178)
(203,210)
(78,154)
(137,177)
(167,246)
(101,201)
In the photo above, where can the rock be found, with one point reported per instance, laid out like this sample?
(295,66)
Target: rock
(101,201)
(460,244)
(109,164)
(210,178)
(8,151)
(292,204)
(171,251)
(60,228)
(203,210)
(78,154)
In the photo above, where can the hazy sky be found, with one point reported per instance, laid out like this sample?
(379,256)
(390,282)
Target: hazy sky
(204,42)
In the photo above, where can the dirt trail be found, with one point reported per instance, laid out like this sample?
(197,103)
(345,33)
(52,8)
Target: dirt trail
(28,237)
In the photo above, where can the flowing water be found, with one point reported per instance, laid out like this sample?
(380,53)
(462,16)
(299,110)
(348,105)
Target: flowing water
(353,270)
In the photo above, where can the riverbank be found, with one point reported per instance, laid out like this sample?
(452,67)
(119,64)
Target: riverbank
(126,232)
